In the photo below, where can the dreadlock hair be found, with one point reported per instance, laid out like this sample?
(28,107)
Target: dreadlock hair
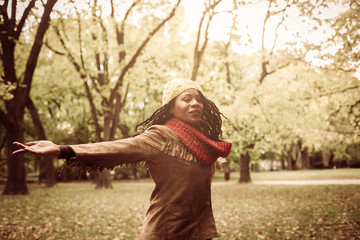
(210,123)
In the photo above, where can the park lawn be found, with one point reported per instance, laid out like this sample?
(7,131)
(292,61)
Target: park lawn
(242,211)
(321,174)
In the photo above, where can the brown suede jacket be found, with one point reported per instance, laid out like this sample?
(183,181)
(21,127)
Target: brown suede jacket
(180,205)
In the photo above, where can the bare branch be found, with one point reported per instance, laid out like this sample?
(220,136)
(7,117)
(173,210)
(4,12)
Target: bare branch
(36,47)
(68,53)
(102,66)
(112,14)
(264,26)
(36,119)
(277,28)
(267,17)
(80,39)
(105,63)
(279,68)
(23,19)
(334,91)
(13,18)
(227,44)
(4,6)
(264,72)
(120,32)
(332,68)
(132,61)
(52,49)
(116,114)
(266,60)
(209,10)
(93,111)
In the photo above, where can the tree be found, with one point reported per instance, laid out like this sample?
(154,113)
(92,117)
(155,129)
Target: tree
(12,117)
(199,51)
(47,170)
(345,57)
(106,87)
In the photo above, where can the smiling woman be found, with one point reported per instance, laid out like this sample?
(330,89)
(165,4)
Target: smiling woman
(179,144)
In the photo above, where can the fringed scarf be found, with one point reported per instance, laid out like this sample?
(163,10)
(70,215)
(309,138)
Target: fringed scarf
(204,149)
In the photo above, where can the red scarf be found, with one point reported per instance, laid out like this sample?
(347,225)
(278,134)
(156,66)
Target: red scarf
(204,149)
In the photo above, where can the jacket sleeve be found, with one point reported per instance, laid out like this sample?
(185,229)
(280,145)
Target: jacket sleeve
(141,148)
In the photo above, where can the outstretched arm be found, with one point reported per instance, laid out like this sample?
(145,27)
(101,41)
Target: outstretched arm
(43,148)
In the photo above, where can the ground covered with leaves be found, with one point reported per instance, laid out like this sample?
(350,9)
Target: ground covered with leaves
(242,211)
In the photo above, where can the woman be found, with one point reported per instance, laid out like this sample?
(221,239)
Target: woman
(179,144)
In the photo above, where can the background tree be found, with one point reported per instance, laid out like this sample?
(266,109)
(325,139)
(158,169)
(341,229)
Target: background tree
(288,99)
(103,73)
(200,45)
(12,115)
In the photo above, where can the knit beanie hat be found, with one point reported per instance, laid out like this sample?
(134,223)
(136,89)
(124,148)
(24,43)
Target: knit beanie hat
(173,88)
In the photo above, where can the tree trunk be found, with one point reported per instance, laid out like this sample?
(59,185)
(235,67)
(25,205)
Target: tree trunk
(227,171)
(200,50)
(197,60)
(282,160)
(47,170)
(305,162)
(244,168)
(104,179)
(13,118)
(326,156)
(16,179)
(135,172)
(290,161)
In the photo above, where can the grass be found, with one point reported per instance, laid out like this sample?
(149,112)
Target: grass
(343,173)
(242,211)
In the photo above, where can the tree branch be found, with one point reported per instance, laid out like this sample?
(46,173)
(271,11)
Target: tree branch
(116,115)
(120,32)
(12,18)
(198,54)
(279,68)
(334,91)
(4,118)
(52,49)
(227,44)
(277,28)
(23,19)
(4,13)
(132,61)
(68,53)
(36,47)
(36,119)
(93,112)
(80,39)
(265,60)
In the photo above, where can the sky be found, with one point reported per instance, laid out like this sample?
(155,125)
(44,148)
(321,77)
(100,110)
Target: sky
(251,20)
(250,23)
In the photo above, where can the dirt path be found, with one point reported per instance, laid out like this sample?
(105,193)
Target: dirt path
(312,182)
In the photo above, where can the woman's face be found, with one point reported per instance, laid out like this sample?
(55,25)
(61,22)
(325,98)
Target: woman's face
(188,107)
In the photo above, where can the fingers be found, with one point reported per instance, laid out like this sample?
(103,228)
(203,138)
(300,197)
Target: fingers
(19,144)
(31,143)
(28,144)
(18,151)
(24,147)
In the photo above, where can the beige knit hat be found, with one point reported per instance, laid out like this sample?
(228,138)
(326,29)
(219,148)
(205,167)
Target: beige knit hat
(173,88)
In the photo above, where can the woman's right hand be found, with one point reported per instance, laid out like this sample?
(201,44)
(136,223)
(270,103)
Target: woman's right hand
(43,148)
